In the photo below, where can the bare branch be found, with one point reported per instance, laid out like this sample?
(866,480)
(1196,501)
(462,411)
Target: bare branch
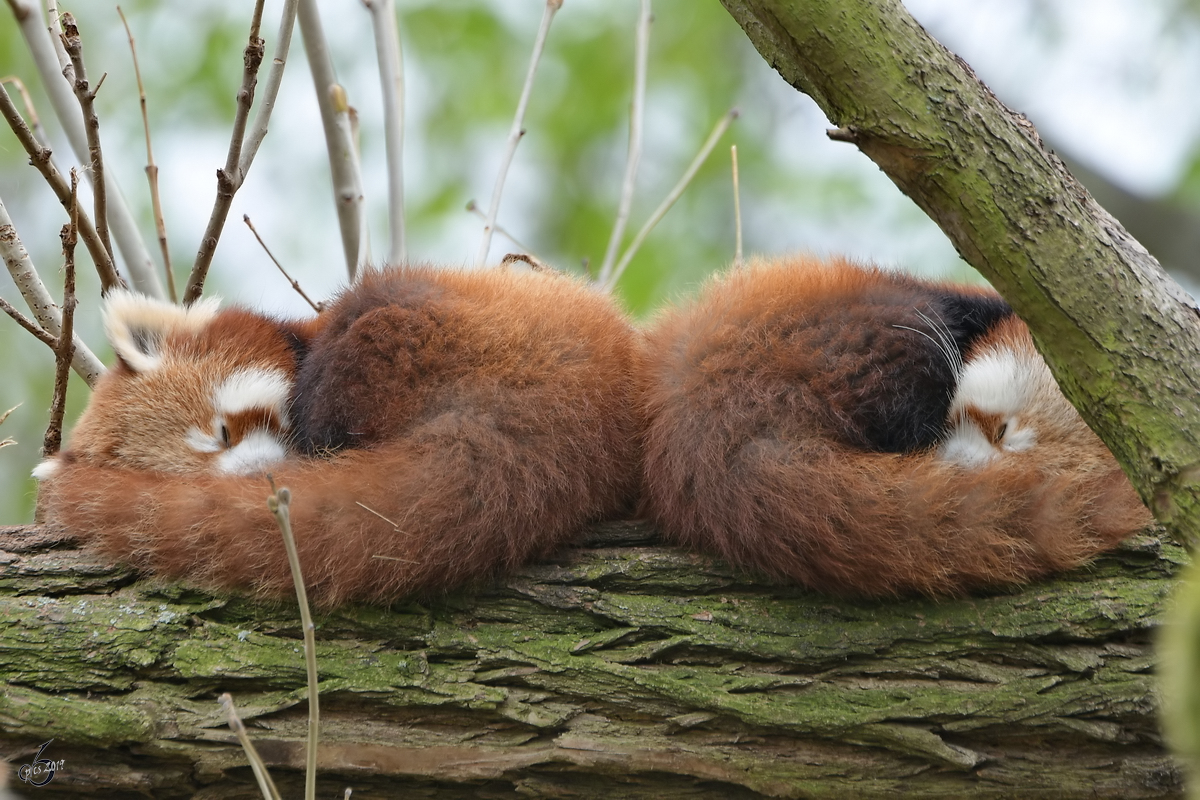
(351,194)
(229,178)
(38,299)
(35,121)
(40,158)
(473,207)
(52,442)
(45,45)
(28,324)
(318,307)
(91,127)
(279,504)
(258,128)
(160,225)
(338,142)
(265,785)
(737,210)
(709,143)
(391,77)
(636,113)
(517,130)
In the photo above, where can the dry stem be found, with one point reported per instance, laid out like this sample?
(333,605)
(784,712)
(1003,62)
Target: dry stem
(91,127)
(279,504)
(318,307)
(265,785)
(35,121)
(229,179)
(40,303)
(29,325)
(473,207)
(342,156)
(262,117)
(65,349)
(517,130)
(709,143)
(40,158)
(391,77)
(160,225)
(636,113)
(737,210)
(45,45)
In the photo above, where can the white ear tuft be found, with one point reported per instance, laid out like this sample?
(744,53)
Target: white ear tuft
(137,325)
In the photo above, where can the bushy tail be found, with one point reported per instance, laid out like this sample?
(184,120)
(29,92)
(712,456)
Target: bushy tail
(859,523)
(452,503)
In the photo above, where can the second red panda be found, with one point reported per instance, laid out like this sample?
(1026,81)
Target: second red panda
(867,433)
(435,427)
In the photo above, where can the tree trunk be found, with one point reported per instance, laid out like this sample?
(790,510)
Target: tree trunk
(624,669)
(1120,336)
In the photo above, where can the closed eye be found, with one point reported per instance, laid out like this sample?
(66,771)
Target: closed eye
(224,436)
(1000,431)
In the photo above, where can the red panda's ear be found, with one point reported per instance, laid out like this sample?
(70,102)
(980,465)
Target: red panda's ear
(138,326)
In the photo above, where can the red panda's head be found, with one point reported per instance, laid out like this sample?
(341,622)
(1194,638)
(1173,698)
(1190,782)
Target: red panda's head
(1006,400)
(193,389)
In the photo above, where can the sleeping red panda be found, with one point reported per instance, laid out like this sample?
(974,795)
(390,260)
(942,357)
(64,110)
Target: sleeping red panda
(862,432)
(435,427)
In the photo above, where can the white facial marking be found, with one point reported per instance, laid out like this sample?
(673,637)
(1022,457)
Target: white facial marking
(254,388)
(1001,383)
(46,469)
(202,442)
(255,453)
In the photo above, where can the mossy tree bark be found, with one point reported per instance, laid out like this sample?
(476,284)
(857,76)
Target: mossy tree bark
(1120,336)
(621,670)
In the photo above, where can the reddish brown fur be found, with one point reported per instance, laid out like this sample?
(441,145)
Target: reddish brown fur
(754,451)
(493,433)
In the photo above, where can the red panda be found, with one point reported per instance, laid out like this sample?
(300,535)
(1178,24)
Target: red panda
(435,427)
(861,432)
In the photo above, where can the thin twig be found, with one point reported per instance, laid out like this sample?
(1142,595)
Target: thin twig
(391,77)
(29,325)
(91,127)
(38,299)
(35,121)
(474,208)
(280,505)
(636,113)
(517,131)
(52,442)
(40,158)
(262,117)
(342,157)
(365,507)
(737,210)
(266,786)
(45,45)
(160,225)
(228,180)
(318,307)
(8,441)
(709,143)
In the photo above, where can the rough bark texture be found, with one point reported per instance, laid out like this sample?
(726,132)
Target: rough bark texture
(1120,336)
(624,669)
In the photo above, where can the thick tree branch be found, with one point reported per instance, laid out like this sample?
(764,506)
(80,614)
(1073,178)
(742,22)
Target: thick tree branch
(1119,335)
(615,671)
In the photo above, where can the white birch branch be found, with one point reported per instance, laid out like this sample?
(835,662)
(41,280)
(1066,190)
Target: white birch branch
(38,298)
(709,143)
(342,156)
(636,112)
(517,130)
(262,117)
(391,77)
(46,59)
